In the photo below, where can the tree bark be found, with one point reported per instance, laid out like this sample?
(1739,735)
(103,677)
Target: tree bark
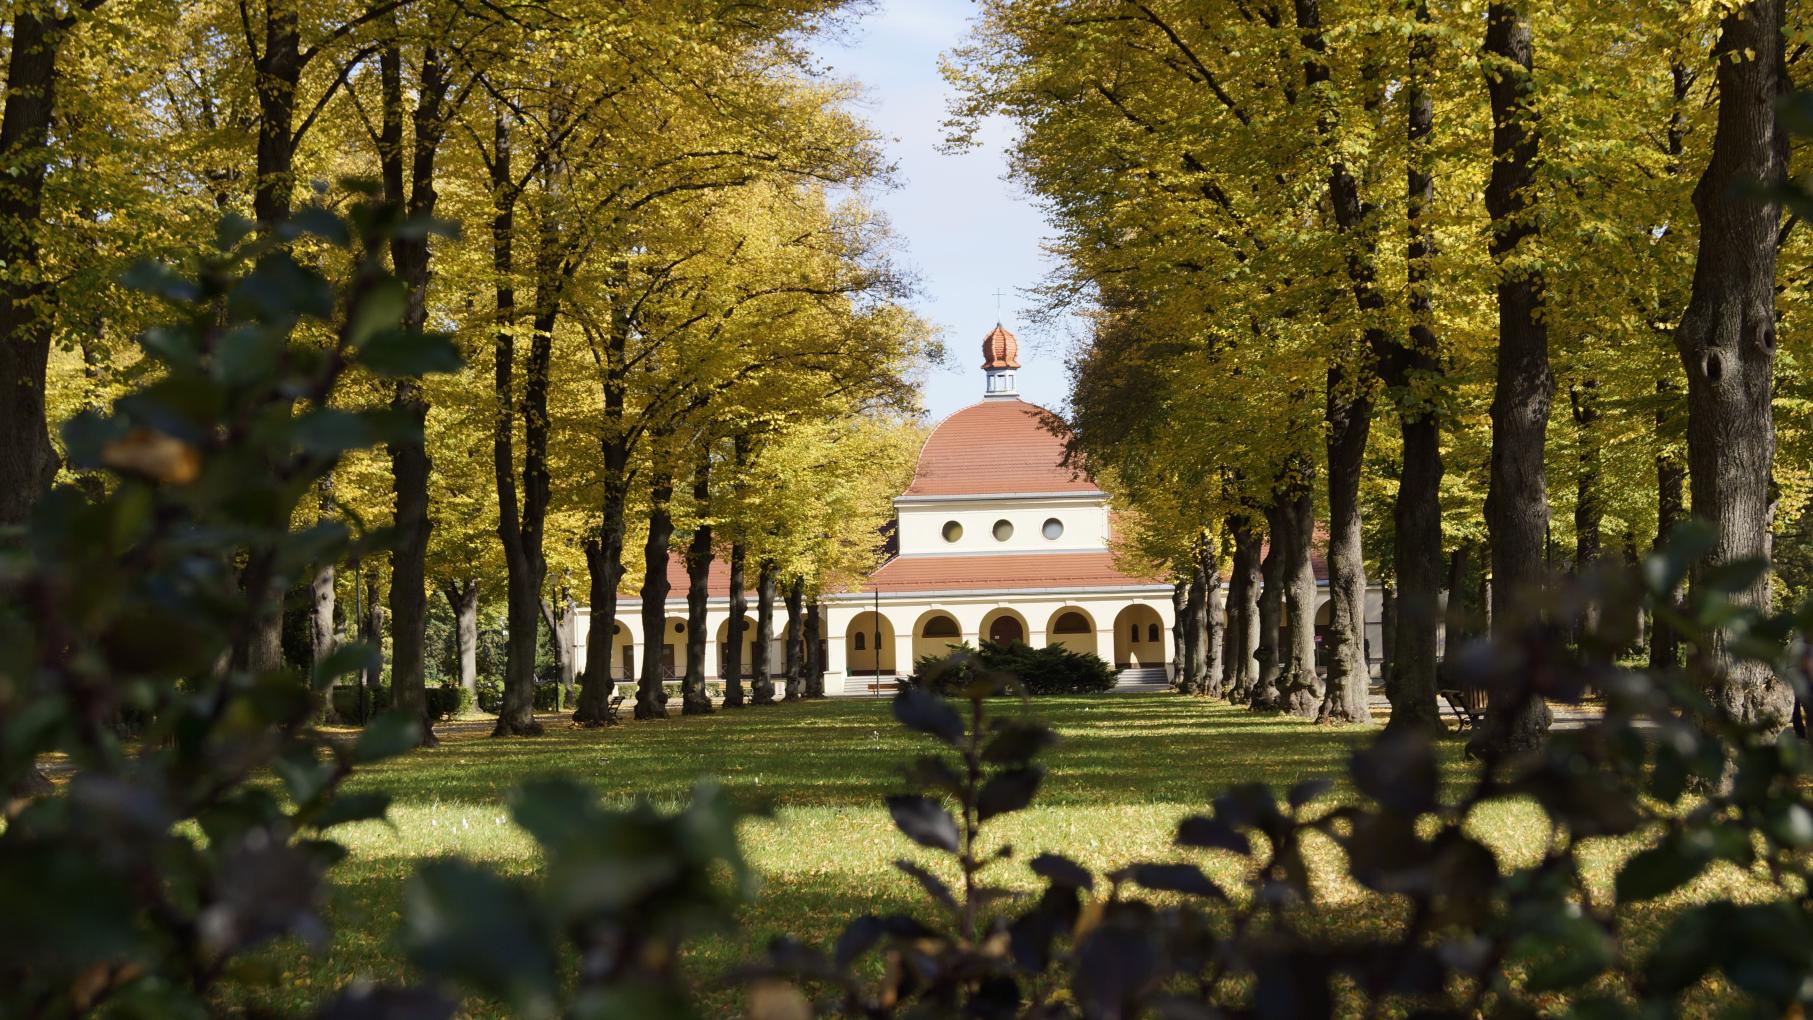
(1517,510)
(795,640)
(321,617)
(558,615)
(1180,636)
(1269,652)
(409,461)
(1411,633)
(739,613)
(1388,621)
(1300,688)
(28,461)
(1349,416)
(604,551)
(1243,618)
(815,659)
(371,631)
(462,598)
(1671,480)
(519,525)
(693,699)
(1348,408)
(1208,627)
(651,695)
(761,689)
(1727,337)
(1190,676)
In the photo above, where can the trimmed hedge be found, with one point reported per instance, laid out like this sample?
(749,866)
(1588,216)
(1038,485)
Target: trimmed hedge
(442,701)
(1053,669)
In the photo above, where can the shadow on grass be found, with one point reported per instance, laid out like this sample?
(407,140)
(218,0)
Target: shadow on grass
(1116,749)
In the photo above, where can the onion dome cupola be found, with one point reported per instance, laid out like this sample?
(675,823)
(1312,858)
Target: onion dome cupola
(1000,359)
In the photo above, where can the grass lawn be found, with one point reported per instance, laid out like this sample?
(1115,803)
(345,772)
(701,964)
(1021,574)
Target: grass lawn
(1128,768)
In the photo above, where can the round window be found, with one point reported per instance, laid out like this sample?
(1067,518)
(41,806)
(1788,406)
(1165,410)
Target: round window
(952,531)
(1004,530)
(1054,529)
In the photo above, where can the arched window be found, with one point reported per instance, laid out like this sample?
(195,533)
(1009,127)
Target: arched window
(1151,632)
(1134,635)
(941,626)
(1070,623)
(860,645)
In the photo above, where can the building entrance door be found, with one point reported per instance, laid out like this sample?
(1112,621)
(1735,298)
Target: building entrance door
(1006,631)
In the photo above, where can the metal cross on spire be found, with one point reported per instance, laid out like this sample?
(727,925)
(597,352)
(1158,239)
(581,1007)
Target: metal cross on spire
(998,297)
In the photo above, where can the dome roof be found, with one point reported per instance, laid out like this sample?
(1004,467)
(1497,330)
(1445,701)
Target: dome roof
(1000,349)
(995,448)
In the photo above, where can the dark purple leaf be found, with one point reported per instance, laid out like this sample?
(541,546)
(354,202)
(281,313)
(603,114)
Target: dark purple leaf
(1179,878)
(928,713)
(1008,791)
(924,821)
(932,884)
(858,937)
(1213,834)
(1062,871)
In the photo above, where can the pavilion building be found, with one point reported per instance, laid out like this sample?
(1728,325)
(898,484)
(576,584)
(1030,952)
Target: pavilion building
(997,540)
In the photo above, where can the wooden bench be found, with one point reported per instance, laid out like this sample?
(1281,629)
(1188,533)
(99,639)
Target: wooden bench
(1467,703)
(611,718)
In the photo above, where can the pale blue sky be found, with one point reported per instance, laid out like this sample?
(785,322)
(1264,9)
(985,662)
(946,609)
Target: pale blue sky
(964,229)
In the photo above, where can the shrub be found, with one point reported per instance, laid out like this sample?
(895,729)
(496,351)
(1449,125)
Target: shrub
(490,696)
(139,885)
(442,702)
(346,701)
(1053,669)
(1473,935)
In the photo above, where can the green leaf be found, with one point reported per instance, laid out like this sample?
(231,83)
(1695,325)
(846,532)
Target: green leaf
(394,353)
(387,736)
(1659,870)
(465,925)
(379,309)
(351,807)
(345,660)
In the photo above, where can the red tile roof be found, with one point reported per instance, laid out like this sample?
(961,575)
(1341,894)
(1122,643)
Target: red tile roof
(997,446)
(1000,349)
(1004,572)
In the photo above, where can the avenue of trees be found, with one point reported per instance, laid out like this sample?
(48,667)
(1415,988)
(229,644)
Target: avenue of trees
(1482,292)
(675,312)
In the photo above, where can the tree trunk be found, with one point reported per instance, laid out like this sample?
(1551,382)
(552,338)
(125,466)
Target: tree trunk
(761,689)
(409,461)
(651,695)
(1671,479)
(1268,653)
(1411,632)
(604,552)
(795,640)
(28,461)
(371,631)
(1190,675)
(321,617)
(693,699)
(1349,416)
(739,621)
(1388,621)
(462,598)
(1243,618)
(1727,337)
(815,658)
(1517,510)
(1180,636)
(558,615)
(519,527)
(1207,624)
(1300,687)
